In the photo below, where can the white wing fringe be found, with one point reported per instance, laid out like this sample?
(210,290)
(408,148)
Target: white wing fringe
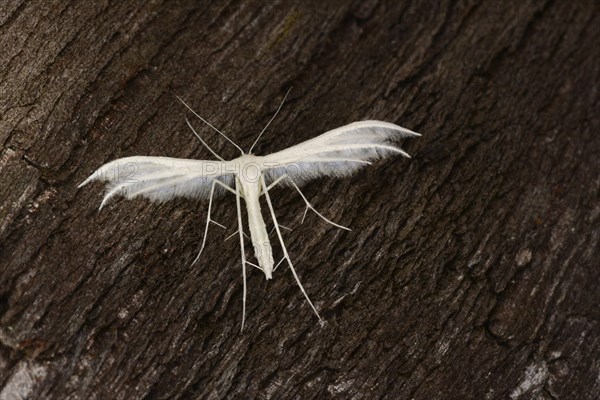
(159,178)
(337,153)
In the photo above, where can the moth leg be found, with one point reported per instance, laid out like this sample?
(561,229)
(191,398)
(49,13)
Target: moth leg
(241,232)
(208,220)
(218,224)
(227,187)
(285,253)
(254,265)
(233,234)
(280,261)
(308,205)
(282,177)
(281,226)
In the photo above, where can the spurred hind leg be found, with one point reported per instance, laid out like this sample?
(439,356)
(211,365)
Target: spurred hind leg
(308,205)
(285,253)
(241,231)
(208,220)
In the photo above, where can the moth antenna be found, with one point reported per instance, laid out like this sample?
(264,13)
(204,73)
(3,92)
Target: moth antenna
(209,124)
(271,120)
(203,142)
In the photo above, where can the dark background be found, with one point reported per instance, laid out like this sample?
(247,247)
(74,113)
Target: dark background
(472,269)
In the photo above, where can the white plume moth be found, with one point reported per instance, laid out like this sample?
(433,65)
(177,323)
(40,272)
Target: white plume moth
(339,152)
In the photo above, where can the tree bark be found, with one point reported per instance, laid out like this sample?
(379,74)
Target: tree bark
(471,270)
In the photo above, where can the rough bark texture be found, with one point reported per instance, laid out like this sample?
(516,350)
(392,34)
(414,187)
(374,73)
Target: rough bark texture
(471,271)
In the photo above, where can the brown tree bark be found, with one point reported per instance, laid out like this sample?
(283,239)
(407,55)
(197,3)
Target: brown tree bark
(471,270)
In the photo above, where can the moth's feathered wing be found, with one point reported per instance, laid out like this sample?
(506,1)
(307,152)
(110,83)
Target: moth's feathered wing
(339,152)
(160,178)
